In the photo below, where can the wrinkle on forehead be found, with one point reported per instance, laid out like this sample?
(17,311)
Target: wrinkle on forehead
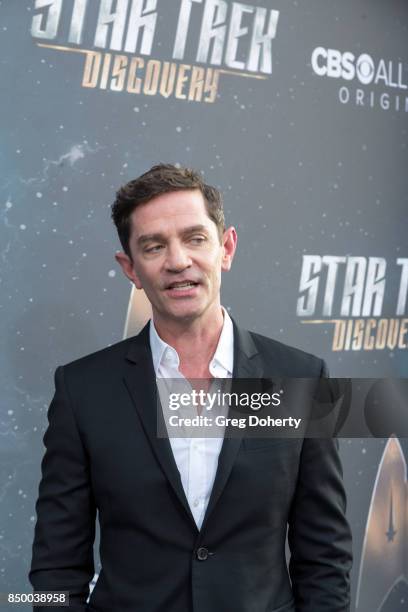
(171,212)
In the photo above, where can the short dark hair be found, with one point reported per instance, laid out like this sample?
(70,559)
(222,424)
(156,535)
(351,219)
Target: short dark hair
(162,178)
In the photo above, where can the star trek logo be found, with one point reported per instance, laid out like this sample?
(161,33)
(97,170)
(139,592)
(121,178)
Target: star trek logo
(384,562)
(119,37)
(349,294)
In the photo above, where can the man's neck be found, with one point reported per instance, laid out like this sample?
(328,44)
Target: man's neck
(195,341)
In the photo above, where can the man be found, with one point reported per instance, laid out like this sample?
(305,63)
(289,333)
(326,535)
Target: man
(186,525)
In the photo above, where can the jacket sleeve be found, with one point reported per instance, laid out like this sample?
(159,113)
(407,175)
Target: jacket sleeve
(319,535)
(64,534)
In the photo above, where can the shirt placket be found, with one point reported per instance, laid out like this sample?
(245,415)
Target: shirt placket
(197,478)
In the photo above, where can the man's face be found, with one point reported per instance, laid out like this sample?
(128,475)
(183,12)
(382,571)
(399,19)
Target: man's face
(177,255)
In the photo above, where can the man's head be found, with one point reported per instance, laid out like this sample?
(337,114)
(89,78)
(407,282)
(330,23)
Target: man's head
(171,226)
(163,178)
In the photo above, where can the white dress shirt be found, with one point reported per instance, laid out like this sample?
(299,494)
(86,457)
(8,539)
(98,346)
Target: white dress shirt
(196,458)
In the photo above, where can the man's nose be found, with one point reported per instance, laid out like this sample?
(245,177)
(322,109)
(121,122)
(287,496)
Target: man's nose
(177,258)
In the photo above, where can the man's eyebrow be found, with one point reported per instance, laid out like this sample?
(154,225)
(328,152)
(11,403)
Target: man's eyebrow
(149,238)
(157,237)
(195,228)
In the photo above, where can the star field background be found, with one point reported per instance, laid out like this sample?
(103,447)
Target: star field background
(300,172)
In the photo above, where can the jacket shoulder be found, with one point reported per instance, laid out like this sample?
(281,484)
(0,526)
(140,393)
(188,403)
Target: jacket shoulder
(292,361)
(102,358)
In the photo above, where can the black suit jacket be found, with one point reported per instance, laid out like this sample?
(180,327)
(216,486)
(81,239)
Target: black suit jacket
(103,454)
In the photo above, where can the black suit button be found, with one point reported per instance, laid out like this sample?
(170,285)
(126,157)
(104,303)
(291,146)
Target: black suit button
(202,554)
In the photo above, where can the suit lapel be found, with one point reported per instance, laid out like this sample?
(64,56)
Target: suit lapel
(247,364)
(140,381)
(141,384)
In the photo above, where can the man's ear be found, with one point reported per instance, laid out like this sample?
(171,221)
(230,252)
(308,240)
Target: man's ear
(128,270)
(229,244)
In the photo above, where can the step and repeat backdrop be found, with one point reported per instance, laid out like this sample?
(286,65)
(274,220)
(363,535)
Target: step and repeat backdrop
(298,112)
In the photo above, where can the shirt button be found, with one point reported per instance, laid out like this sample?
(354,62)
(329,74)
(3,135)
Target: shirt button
(196,502)
(202,554)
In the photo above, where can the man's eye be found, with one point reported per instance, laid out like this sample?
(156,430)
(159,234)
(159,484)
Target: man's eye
(153,249)
(197,239)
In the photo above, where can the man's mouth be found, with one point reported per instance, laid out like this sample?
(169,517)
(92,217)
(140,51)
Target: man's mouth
(182,285)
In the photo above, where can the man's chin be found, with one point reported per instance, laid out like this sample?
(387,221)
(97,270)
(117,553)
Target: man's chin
(185,314)
(184,311)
